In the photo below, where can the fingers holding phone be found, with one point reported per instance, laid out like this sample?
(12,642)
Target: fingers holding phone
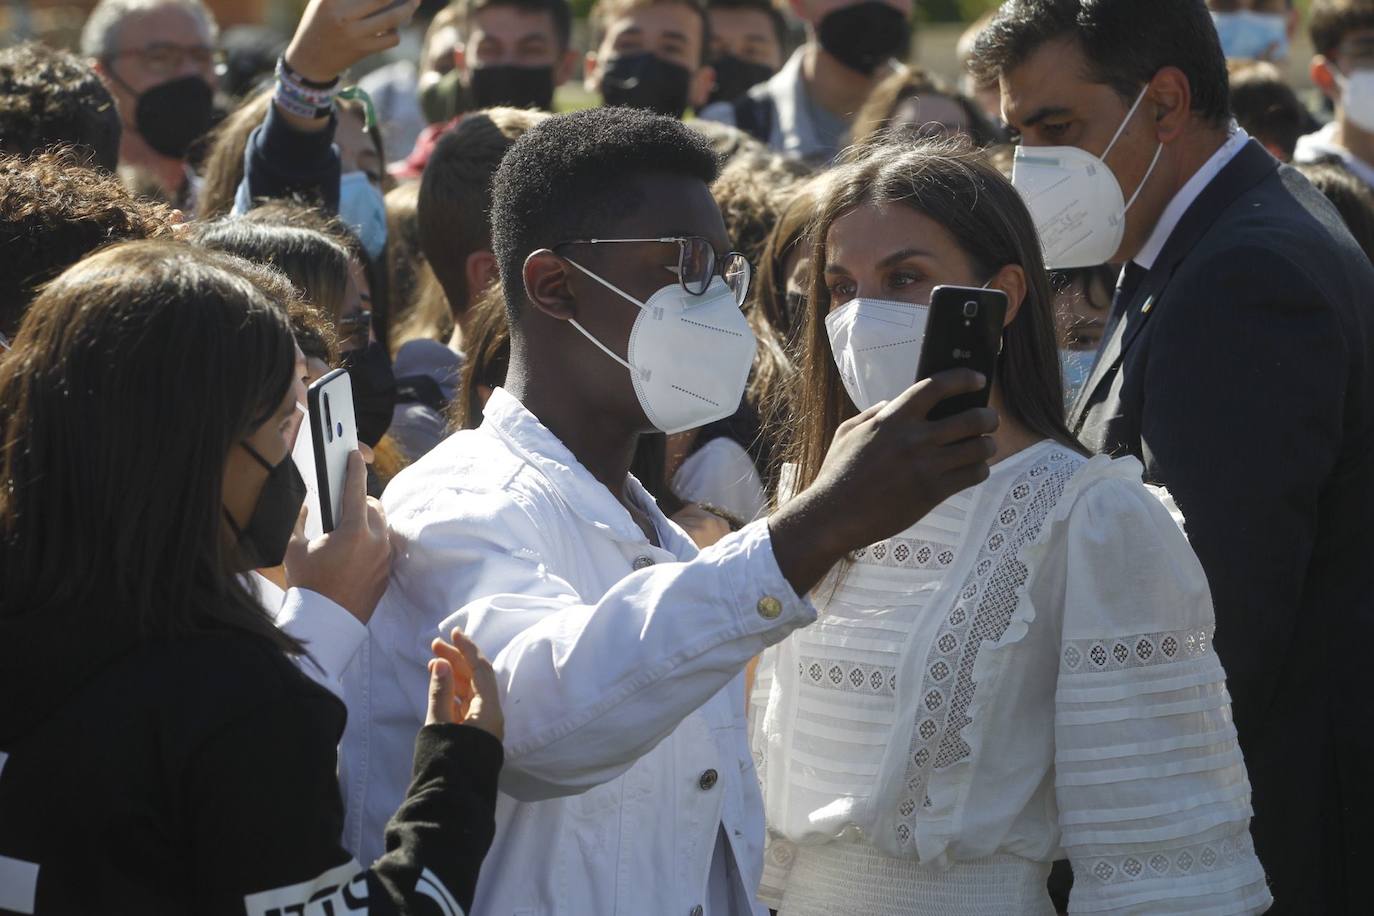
(351,564)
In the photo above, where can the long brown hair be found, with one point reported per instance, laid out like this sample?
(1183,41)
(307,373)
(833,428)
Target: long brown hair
(952,184)
(132,376)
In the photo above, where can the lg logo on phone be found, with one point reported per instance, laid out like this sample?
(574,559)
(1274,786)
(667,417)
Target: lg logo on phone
(962,354)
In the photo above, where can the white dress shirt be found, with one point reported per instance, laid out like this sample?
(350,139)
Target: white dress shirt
(620,667)
(1027,669)
(1168,220)
(1322,145)
(329,632)
(722,474)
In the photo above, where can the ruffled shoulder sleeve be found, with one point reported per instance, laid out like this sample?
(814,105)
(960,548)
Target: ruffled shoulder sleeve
(1154,801)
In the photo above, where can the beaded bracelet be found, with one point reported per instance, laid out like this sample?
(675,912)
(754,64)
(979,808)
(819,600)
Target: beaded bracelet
(301,97)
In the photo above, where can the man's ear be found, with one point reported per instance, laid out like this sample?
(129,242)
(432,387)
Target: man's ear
(1323,73)
(703,81)
(591,73)
(1171,100)
(480,271)
(565,69)
(1011,279)
(546,285)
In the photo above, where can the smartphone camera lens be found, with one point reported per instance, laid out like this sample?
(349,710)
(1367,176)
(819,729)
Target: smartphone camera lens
(970,309)
(328,419)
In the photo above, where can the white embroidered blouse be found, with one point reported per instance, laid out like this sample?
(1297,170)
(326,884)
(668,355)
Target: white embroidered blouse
(1027,670)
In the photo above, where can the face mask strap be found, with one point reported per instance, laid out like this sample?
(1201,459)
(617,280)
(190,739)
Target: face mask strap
(258,457)
(1148,172)
(601,346)
(1126,120)
(606,283)
(1159,147)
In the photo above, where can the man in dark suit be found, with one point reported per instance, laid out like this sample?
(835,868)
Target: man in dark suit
(1239,368)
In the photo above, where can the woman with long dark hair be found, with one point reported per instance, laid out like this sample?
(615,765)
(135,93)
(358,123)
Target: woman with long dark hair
(160,752)
(1028,668)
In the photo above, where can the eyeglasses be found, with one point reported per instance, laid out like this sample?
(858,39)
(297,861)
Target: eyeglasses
(696,264)
(164,58)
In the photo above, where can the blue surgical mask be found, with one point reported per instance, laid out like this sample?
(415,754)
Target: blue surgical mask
(1253,36)
(1075,366)
(361,207)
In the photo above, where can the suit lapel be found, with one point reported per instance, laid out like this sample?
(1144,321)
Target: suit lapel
(1249,167)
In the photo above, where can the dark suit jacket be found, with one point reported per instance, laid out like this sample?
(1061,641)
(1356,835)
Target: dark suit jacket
(1241,373)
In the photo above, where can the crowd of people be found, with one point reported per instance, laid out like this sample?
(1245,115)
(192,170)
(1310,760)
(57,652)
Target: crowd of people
(659,585)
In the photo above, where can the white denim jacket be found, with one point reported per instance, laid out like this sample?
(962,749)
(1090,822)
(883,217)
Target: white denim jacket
(626,749)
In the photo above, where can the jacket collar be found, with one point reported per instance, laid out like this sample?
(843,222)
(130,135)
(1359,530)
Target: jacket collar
(586,496)
(1250,166)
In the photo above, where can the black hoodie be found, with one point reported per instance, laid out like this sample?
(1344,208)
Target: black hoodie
(197,775)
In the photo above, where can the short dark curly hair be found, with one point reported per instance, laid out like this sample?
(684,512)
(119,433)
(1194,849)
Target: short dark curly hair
(1125,43)
(51,98)
(54,212)
(572,176)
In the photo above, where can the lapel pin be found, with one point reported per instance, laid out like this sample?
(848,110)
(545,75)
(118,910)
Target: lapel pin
(1149,304)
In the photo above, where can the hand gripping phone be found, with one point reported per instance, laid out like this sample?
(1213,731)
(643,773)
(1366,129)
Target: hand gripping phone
(334,433)
(963,331)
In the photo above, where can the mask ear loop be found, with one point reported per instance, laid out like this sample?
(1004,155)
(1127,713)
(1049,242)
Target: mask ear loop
(587,334)
(1159,147)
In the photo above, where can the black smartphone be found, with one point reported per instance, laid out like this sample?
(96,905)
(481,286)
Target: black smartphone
(963,331)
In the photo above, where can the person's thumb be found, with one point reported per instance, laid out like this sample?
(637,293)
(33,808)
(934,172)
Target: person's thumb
(440,692)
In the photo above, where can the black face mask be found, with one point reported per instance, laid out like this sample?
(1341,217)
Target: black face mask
(263,542)
(374,390)
(646,80)
(518,87)
(735,77)
(865,36)
(172,115)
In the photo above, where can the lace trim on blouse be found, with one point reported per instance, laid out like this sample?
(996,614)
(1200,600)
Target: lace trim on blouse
(981,615)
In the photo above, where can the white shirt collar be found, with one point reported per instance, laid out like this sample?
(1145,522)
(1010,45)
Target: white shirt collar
(1322,145)
(1168,220)
(506,417)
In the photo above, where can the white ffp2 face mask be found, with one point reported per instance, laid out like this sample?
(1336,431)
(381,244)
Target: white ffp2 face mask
(1357,98)
(1075,200)
(876,343)
(689,356)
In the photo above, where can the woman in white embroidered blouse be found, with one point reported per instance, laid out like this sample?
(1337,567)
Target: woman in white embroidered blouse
(1025,673)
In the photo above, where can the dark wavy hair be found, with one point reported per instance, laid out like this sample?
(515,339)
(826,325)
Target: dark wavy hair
(132,376)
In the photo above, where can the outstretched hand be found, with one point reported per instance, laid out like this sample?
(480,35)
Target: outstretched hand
(887,467)
(333,35)
(462,687)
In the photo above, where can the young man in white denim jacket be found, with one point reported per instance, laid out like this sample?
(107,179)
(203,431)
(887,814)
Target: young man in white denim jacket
(628,786)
